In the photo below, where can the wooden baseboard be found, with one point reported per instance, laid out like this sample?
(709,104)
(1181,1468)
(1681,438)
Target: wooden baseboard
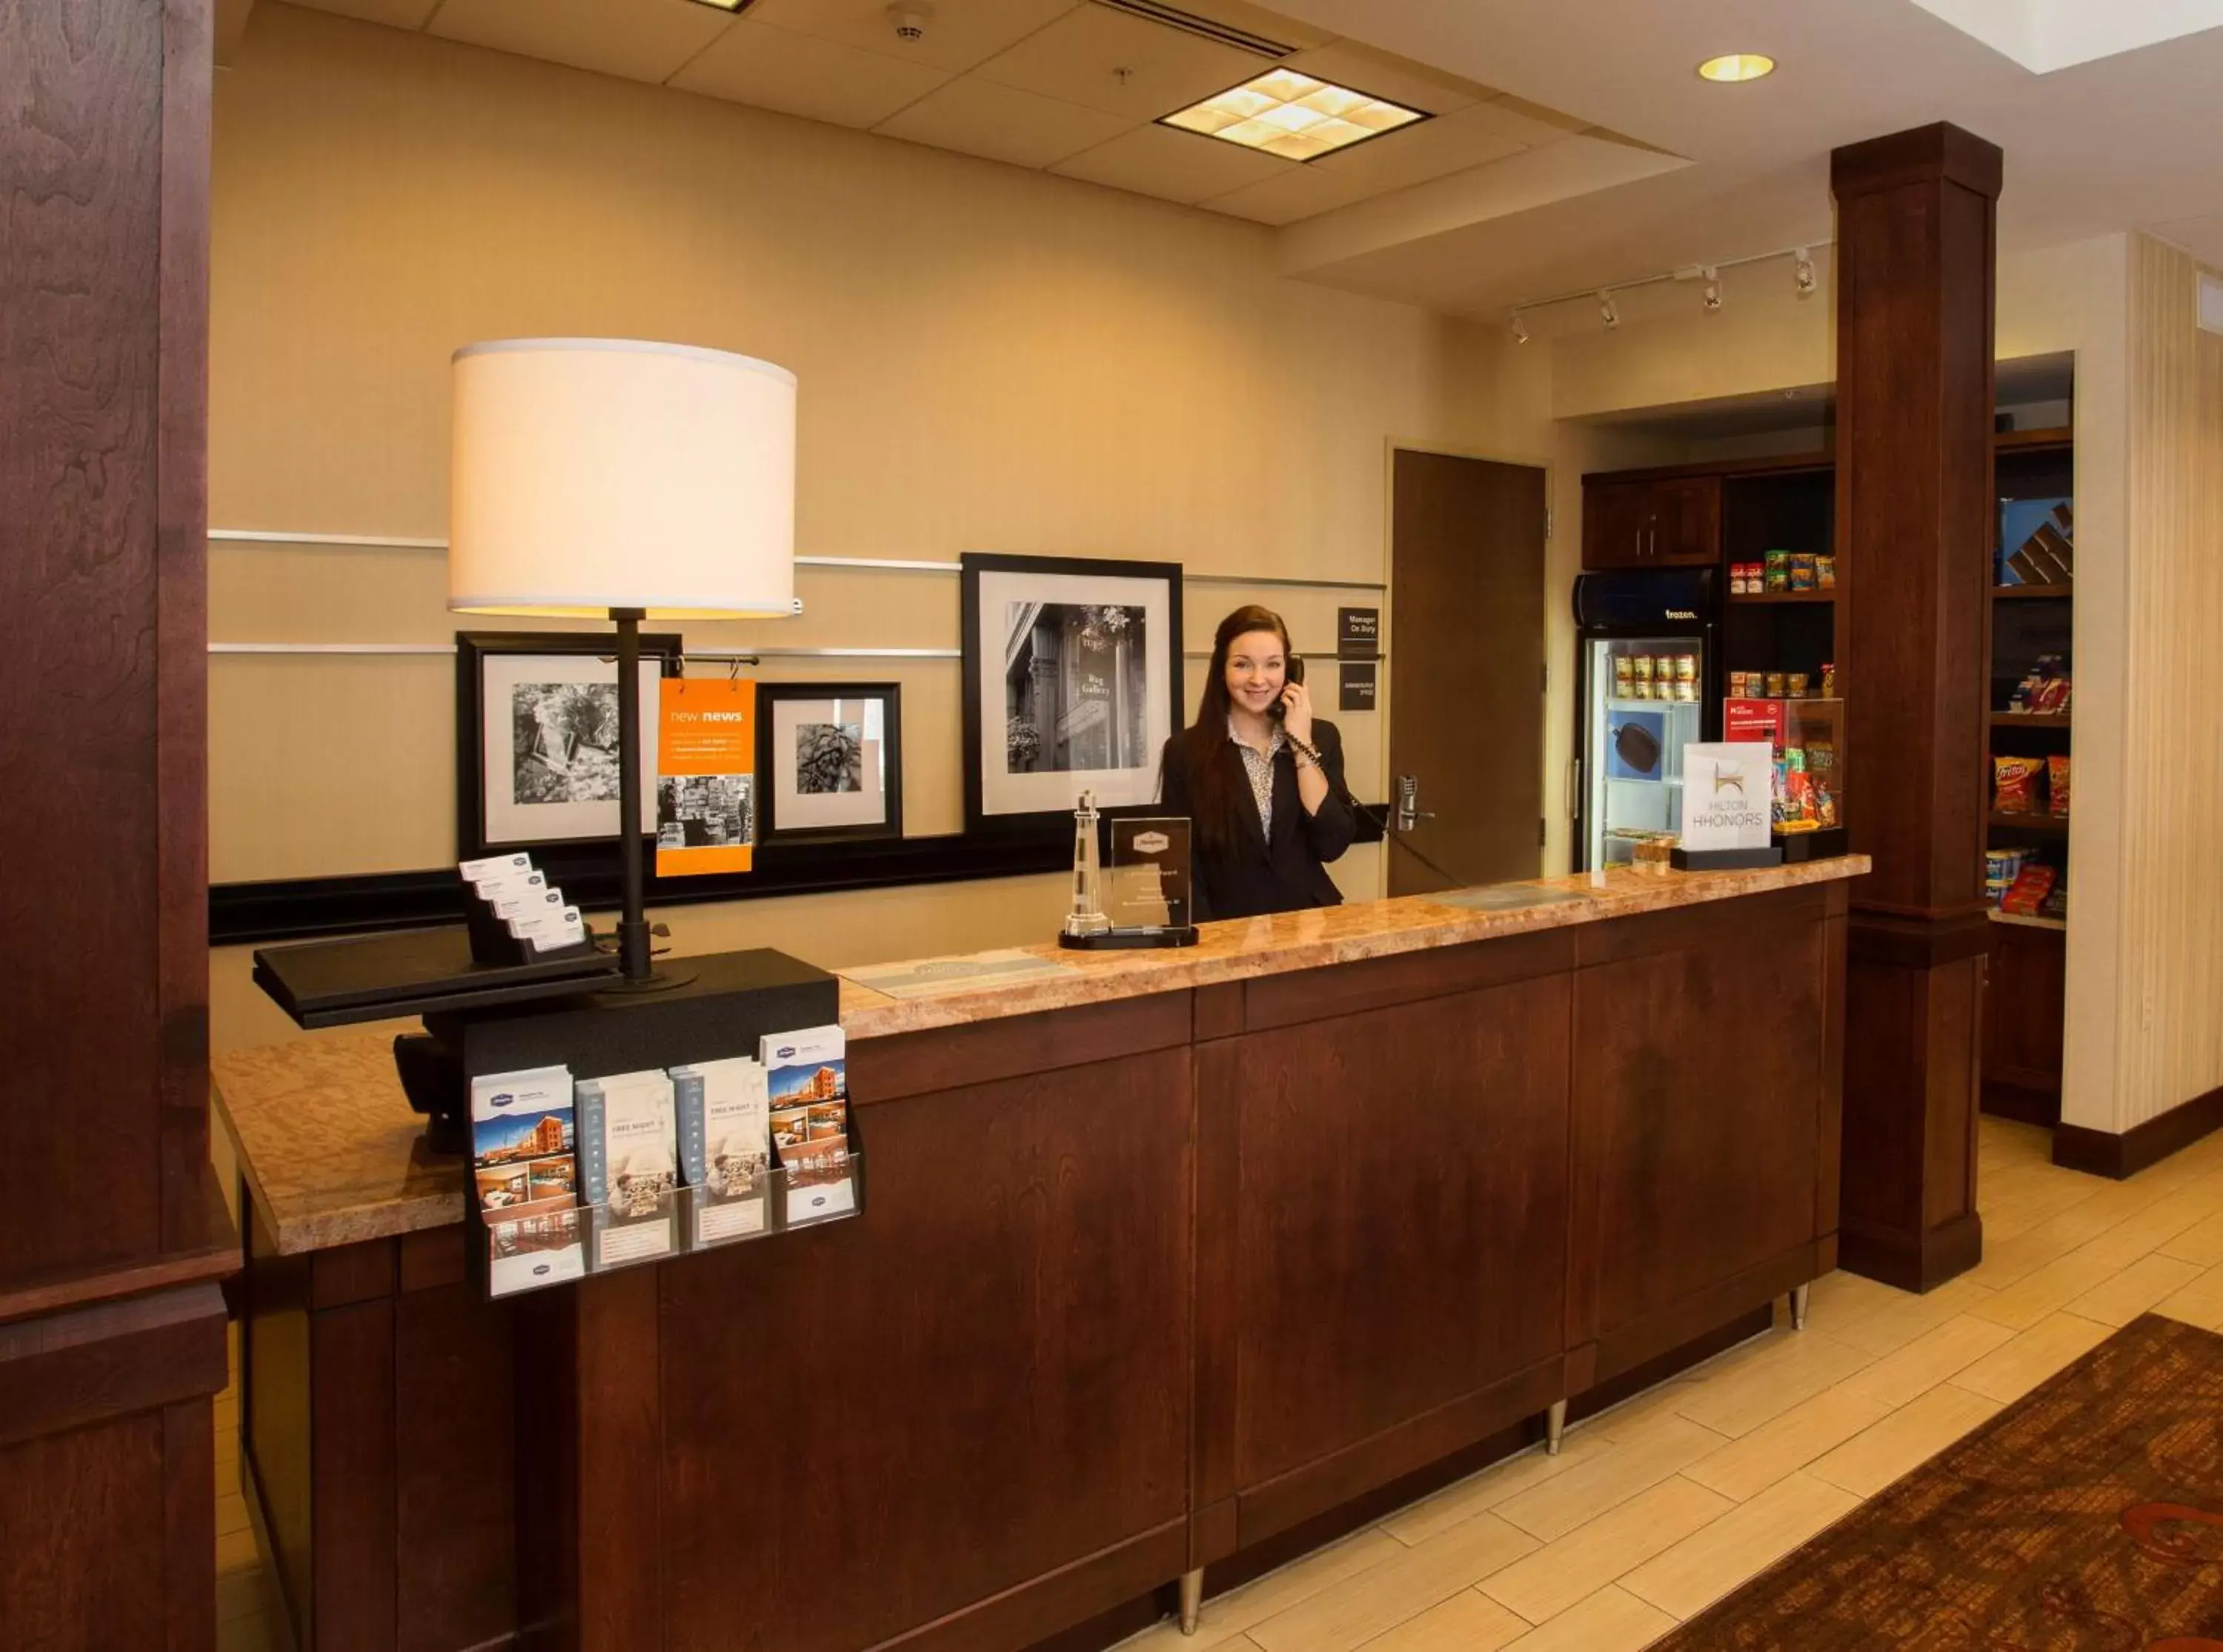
(1919,1263)
(2022,1104)
(2104,1153)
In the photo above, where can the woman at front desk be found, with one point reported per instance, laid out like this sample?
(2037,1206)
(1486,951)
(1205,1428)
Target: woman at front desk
(1260,778)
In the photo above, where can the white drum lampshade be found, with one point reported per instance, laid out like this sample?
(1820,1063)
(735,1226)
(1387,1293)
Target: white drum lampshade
(594,474)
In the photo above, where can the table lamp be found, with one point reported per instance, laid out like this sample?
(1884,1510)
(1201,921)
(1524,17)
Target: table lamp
(611,478)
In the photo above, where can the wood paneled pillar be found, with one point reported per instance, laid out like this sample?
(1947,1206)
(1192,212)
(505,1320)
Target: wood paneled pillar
(111,1236)
(1915,262)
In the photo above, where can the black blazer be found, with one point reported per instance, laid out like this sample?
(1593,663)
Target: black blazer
(1289,872)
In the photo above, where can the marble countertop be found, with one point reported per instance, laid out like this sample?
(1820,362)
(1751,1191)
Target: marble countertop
(333,1155)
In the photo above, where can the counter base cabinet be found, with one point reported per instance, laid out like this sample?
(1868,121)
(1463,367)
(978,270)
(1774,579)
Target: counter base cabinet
(1144,1287)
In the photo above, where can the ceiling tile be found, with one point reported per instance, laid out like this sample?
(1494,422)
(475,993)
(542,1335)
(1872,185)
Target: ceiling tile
(640,39)
(959,34)
(1434,91)
(801,74)
(979,118)
(1527,122)
(1414,154)
(1077,59)
(395,14)
(1299,193)
(1172,166)
(1256,20)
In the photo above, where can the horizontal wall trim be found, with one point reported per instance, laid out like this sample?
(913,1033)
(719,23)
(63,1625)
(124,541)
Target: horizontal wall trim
(742,655)
(883,564)
(361,903)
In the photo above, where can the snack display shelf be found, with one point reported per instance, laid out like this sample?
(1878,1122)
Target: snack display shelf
(2023,922)
(2031,719)
(1828,595)
(2061,592)
(2029,822)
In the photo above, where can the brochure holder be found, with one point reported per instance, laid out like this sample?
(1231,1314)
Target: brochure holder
(536,1250)
(492,943)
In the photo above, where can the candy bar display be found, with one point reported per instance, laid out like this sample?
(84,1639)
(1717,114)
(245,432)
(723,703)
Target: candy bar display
(2043,692)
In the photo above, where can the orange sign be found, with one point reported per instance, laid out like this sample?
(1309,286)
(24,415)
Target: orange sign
(706,799)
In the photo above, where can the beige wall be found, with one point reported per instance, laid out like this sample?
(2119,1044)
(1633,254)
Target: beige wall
(990,359)
(2171,884)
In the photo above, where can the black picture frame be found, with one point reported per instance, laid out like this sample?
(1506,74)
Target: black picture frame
(769,758)
(980,820)
(474,649)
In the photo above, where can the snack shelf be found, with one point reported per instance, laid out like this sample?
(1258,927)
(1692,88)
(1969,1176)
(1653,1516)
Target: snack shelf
(1829,596)
(2029,822)
(2021,921)
(2031,719)
(2058,592)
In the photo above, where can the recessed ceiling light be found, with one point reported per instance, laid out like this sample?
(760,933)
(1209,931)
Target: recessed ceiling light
(1737,66)
(1293,115)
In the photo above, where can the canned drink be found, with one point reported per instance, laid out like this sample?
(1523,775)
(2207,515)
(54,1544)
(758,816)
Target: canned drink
(1794,686)
(1829,682)
(1774,680)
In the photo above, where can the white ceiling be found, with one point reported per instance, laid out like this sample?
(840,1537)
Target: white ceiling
(1500,197)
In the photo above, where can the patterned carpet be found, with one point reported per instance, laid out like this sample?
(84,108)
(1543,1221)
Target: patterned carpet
(2086,1517)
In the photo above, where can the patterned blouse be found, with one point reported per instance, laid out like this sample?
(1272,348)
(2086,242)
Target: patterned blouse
(1259,765)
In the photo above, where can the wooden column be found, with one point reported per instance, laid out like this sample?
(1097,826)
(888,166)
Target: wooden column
(1915,261)
(111,1238)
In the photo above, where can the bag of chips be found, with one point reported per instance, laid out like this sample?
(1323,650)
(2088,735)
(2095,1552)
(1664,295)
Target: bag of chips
(2056,787)
(2013,788)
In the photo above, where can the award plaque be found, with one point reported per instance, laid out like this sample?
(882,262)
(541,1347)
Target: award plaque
(1139,895)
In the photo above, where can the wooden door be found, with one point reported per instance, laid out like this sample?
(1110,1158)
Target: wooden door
(1616,524)
(1686,521)
(1466,670)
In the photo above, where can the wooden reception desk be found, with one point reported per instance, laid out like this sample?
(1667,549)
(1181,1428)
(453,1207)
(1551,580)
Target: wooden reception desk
(1169,1261)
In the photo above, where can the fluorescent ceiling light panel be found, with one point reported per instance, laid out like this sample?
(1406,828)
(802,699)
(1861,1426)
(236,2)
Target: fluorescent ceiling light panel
(2043,35)
(1293,115)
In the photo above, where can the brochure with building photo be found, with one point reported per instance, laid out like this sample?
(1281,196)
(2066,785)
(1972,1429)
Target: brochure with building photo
(808,1076)
(533,1251)
(523,1142)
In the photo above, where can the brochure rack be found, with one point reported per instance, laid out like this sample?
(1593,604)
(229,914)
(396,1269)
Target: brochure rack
(540,1249)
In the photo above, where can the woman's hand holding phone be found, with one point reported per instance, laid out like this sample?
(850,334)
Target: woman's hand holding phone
(1296,711)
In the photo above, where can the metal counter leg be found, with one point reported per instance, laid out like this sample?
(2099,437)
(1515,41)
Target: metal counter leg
(1192,1600)
(1555,1427)
(1798,1306)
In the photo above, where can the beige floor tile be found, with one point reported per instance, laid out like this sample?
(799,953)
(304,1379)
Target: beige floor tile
(1737,1402)
(1560,1574)
(1612,1620)
(255,1633)
(1636,1419)
(1892,1325)
(1929,1360)
(2051,1289)
(1469,1622)
(1225,1617)
(1747,1467)
(2199,1303)
(228,1481)
(1479,1493)
(2014,1260)
(239,1594)
(2030,1358)
(1392,1590)
(2202,1244)
(230,1513)
(2147,1230)
(1557,1507)
(1840,1295)
(2136,1290)
(1716,1558)
(236,1552)
(1917,1432)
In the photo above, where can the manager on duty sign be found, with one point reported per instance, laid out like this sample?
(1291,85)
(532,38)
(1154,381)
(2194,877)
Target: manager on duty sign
(1726,789)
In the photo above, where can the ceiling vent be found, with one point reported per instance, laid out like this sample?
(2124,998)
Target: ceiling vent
(1202,27)
(2211,302)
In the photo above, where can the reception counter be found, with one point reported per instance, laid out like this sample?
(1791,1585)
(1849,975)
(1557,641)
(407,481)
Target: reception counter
(1171,1263)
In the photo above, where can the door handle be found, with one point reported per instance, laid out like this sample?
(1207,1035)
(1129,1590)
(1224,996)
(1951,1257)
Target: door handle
(1408,812)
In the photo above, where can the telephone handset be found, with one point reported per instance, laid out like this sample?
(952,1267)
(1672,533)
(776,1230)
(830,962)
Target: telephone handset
(1295,673)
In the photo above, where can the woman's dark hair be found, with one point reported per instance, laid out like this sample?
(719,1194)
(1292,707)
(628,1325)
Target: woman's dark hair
(1218,789)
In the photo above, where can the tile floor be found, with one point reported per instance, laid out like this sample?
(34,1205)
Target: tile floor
(1657,1509)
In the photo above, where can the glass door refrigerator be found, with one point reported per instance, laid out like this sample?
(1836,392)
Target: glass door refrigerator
(1646,640)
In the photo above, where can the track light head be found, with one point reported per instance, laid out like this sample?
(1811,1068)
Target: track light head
(1606,312)
(1711,292)
(1520,328)
(1802,272)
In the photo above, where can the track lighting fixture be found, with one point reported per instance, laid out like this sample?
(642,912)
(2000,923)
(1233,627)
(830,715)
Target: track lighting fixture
(1520,328)
(1607,313)
(1711,292)
(1802,272)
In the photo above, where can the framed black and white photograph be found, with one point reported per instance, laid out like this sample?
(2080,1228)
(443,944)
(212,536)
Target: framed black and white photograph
(1073,681)
(829,758)
(537,736)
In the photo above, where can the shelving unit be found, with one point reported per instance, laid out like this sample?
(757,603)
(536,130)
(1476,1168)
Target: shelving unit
(1767,597)
(2025,1002)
